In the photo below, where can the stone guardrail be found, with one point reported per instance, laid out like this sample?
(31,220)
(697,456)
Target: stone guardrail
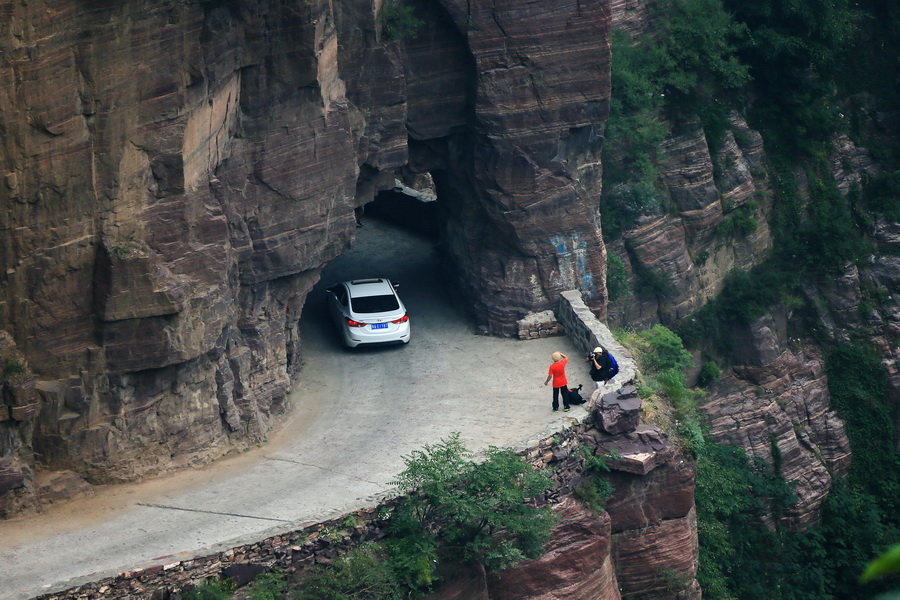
(322,542)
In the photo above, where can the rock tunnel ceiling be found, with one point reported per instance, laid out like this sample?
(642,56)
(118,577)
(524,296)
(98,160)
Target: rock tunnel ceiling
(177,175)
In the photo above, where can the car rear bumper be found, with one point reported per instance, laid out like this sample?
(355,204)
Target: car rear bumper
(356,336)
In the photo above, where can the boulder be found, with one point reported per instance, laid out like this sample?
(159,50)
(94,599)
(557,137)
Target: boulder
(618,412)
(637,451)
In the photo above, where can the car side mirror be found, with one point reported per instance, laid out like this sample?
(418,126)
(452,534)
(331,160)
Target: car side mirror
(395,284)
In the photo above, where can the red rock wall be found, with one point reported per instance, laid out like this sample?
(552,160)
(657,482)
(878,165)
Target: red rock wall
(176,175)
(778,402)
(576,564)
(520,180)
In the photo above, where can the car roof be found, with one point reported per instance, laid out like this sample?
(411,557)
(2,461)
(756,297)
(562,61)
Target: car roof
(369,287)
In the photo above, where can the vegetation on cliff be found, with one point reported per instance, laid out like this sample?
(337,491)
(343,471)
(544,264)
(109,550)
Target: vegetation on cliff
(817,70)
(745,552)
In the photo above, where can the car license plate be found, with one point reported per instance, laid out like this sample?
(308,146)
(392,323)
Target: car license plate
(379,325)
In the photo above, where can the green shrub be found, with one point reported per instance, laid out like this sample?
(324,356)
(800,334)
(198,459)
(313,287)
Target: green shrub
(740,222)
(859,394)
(684,401)
(663,359)
(399,20)
(413,549)
(621,206)
(882,193)
(660,348)
(477,511)
(363,574)
(709,373)
(12,367)
(594,492)
(210,590)
(594,489)
(268,586)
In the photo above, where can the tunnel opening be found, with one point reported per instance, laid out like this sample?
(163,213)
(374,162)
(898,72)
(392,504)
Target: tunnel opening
(415,209)
(398,237)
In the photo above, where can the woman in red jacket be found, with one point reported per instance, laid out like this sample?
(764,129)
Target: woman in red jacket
(557,373)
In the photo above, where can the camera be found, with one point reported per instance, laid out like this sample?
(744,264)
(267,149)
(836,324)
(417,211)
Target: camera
(590,355)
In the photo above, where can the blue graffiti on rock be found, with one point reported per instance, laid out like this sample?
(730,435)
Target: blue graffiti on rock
(574,264)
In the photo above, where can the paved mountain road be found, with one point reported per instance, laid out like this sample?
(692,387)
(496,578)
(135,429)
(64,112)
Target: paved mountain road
(355,414)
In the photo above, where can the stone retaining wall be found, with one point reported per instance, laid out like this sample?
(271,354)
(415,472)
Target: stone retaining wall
(321,542)
(539,325)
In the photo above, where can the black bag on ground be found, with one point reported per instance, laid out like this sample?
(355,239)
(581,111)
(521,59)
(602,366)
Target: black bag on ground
(575,396)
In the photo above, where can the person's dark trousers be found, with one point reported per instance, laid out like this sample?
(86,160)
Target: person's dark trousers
(557,391)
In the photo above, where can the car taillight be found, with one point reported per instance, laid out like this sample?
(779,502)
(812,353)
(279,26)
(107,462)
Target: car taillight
(353,323)
(402,319)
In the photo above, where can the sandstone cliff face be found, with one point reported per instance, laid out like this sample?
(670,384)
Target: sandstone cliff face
(777,409)
(675,262)
(175,175)
(157,239)
(577,563)
(774,402)
(690,252)
(520,191)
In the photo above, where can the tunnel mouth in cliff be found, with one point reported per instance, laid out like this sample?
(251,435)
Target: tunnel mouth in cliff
(407,208)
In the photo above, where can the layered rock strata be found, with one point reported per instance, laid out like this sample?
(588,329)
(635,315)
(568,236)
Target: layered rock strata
(776,407)
(175,176)
(577,563)
(519,183)
(655,547)
(675,263)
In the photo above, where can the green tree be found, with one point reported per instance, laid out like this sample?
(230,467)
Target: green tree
(455,509)
(701,67)
(616,277)
(796,51)
(399,20)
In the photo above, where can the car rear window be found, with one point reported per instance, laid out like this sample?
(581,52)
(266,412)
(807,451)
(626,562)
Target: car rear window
(374,304)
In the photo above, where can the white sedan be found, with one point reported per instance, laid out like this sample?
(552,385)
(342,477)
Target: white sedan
(368,311)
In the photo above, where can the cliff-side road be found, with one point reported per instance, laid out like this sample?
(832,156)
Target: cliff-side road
(355,414)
